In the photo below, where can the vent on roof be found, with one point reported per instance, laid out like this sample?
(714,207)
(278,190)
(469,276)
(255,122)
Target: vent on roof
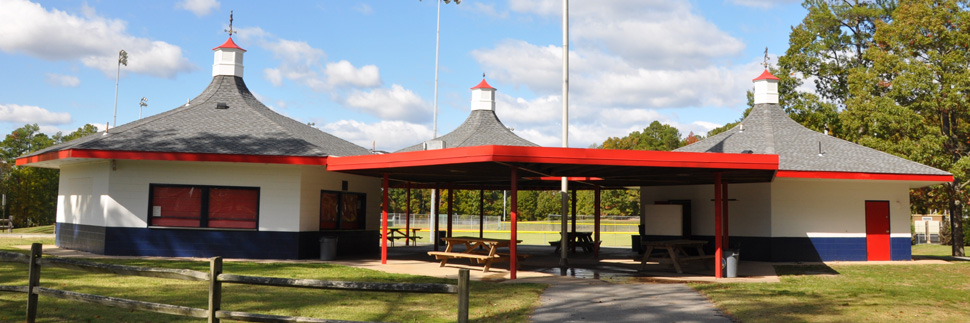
(222,105)
(747,151)
(433,144)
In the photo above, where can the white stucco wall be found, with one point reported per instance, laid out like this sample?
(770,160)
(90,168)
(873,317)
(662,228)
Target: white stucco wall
(94,194)
(80,193)
(834,208)
(316,178)
(748,216)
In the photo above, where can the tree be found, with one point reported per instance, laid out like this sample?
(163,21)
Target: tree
(656,136)
(914,101)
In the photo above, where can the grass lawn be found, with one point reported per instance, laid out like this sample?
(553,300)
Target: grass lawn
(489,302)
(46,229)
(852,293)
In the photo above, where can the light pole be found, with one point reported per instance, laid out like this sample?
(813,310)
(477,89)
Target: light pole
(437,38)
(142,104)
(122,60)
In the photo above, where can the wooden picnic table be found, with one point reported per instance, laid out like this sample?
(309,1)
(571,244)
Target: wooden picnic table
(581,239)
(675,252)
(488,254)
(400,233)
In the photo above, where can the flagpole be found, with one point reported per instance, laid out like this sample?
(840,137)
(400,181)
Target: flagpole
(564,193)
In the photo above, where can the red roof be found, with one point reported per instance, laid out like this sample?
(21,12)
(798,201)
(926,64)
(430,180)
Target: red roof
(483,85)
(766,76)
(229,44)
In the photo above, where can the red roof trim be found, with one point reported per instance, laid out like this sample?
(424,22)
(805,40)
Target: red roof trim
(766,76)
(550,155)
(229,44)
(864,176)
(483,85)
(149,155)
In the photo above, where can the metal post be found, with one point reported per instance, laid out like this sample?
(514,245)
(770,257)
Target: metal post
(451,209)
(513,214)
(434,217)
(384,185)
(407,213)
(563,262)
(596,222)
(481,213)
(215,288)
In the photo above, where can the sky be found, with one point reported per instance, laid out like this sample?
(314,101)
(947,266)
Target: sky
(365,70)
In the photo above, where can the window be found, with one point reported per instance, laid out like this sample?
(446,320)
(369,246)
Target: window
(196,206)
(342,210)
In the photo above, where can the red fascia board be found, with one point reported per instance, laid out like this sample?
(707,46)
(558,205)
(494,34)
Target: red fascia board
(149,155)
(551,155)
(864,176)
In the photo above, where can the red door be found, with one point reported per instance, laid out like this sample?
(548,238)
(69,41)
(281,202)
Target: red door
(877,230)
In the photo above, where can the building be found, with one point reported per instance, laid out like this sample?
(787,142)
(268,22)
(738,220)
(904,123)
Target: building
(222,175)
(829,200)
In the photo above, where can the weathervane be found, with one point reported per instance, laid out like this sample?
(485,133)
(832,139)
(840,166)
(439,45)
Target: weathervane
(483,75)
(230,31)
(765,64)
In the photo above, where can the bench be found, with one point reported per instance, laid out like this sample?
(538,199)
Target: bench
(480,258)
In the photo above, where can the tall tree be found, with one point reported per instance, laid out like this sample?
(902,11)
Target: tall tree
(828,43)
(656,136)
(914,101)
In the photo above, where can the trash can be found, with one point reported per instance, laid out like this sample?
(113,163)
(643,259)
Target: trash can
(441,234)
(636,244)
(328,248)
(731,262)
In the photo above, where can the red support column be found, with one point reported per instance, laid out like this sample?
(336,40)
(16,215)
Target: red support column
(596,222)
(384,223)
(407,213)
(718,252)
(451,209)
(724,205)
(513,214)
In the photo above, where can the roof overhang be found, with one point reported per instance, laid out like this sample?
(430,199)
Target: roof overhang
(490,167)
(914,180)
(56,159)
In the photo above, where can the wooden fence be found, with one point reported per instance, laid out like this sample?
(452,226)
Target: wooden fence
(7,224)
(215,278)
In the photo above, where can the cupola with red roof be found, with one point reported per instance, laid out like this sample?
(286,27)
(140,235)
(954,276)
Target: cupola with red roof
(765,88)
(483,96)
(228,59)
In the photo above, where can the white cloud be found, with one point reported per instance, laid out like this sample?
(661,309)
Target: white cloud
(198,7)
(62,80)
(306,65)
(30,29)
(364,8)
(16,113)
(344,73)
(762,3)
(486,10)
(396,103)
(386,135)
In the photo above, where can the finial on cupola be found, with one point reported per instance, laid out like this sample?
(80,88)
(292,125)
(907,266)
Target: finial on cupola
(228,56)
(766,85)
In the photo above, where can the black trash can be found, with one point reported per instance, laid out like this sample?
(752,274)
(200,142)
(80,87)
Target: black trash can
(328,248)
(636,244)
(441,234)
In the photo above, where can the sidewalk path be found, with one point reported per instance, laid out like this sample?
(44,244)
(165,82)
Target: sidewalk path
(590,300)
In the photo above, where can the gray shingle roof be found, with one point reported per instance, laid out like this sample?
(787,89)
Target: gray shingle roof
(245,126)
(769,130)
(480,129)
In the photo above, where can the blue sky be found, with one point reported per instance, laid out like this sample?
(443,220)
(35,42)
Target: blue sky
(364,70)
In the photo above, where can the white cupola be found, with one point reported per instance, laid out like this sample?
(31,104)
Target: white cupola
(228,59)
(483,97)
(766,88)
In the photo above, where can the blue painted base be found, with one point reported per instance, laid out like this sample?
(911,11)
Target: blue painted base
(210,243)
(789,249)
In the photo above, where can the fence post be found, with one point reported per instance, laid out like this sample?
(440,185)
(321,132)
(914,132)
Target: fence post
(463,295)
(215,288)
(33,279)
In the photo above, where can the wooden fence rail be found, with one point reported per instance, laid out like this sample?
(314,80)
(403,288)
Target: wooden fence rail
(215,277)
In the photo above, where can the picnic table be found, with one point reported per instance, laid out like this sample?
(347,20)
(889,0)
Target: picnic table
(399,233)
(488,254)
(581,239)
(675,252)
